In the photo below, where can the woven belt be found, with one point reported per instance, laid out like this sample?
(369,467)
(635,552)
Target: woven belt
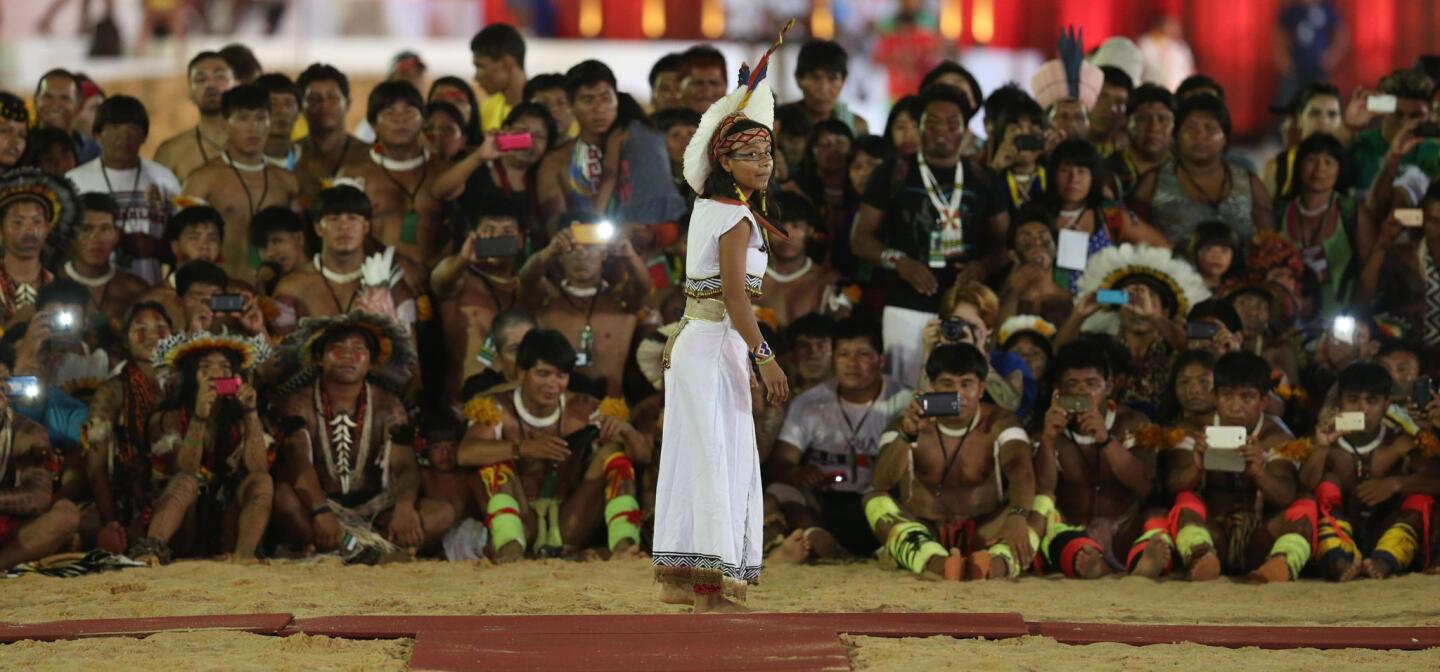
(705,310)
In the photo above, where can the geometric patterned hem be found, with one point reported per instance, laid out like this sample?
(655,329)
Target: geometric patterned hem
(704,574)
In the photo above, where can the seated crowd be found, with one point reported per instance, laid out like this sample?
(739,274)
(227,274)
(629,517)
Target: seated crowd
(1092,340)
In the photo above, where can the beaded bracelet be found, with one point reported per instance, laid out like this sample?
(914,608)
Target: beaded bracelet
(890,257)
(763,354)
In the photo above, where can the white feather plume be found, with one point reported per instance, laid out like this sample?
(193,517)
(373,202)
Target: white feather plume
(1018,323)
(1113,264)
(760,109)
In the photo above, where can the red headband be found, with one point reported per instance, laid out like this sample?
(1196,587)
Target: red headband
(735,141)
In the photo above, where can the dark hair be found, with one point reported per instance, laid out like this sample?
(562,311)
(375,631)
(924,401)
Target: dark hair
(1366,378)
(322,72)
(702,56)
(342,199)
(42,139)
(1170,410)
(497,40)
(587,73)
(857,326)
(664,120)
(720,183)
(1408,83)
(944,93)
(797,208)
(1017,111)
(810,325)
(473,136)
(1202,103)
(199,272)
(824,55)
(1081,154)
(548,346)
(947,67)
(543,82)
(1391,346)
(1243,370)
(1215,309)
(1146,94)
(121,109)
(274,82)
(1309,92)
(448,110)
(135,310)
(497,208)
(388,93)
(537,111)
(957,359)
(1116,77)
(274,219)
(1077,356)
(667,63)
(873,145)
(1027,213)
(807,177)
(509,318)
(1432,194)
(791,121)
(1002,98)
(194,215)
(242,61)
(1161,289)
(245,97)
(58,72)
(1214,233)
(7,354)
(62,291)
(909,106)
(207,56)
(1196,83)
(1320,143)
(100,201)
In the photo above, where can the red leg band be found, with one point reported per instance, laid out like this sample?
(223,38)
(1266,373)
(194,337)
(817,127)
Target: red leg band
(1185,501)
(1328,498)
(618,472)
(1304,509)
(501,512)
(1136,549)
(1423,505)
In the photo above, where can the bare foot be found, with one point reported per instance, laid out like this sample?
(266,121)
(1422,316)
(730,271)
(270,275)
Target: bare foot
(999,567)
(794,550)
(510,552)
(1274,570)
(1090,563)
(673,594)
(626,550)
(977,566)
(954,566)
(717,603)
(1351,570)
(1153,560)
(1205,566)
(1377,569)
(823,544)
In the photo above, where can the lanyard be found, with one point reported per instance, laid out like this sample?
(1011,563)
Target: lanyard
(947,212)
(134,189)
(264,188)
(854,428)
(1016,196)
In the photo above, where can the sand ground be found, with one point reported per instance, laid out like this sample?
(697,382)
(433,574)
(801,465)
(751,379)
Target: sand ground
(207,651)
(323,587)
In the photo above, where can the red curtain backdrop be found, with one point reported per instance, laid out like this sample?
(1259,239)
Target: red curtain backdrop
(1233,42)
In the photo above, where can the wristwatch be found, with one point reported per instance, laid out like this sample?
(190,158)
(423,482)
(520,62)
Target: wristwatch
(1019,511)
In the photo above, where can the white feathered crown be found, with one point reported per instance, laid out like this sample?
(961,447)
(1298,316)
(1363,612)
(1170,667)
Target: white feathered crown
(1022,323)
(752,100)
(1112,265)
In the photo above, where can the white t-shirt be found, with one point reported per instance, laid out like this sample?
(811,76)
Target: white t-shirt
(143,194)
(840,437)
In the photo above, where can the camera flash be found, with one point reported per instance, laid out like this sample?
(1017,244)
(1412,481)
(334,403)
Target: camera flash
(605,230)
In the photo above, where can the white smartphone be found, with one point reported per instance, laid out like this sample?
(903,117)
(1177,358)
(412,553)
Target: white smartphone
(1224,437)
(1411,217)
(1350,422)
(1382,103)
(1224,459)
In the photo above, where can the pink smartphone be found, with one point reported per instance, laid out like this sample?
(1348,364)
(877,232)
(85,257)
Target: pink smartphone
(226,387)
(513,142)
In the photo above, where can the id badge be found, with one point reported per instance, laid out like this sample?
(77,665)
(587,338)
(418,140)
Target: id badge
(410,228)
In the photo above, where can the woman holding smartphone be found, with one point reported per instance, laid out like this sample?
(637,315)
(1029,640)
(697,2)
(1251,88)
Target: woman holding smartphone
(708,533)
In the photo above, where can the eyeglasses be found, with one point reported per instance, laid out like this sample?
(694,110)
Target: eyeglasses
(767,156)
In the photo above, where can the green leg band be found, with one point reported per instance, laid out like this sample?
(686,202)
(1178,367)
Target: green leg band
(1001,549)
(1044,505)
(503,516)
(620,516)
(911,545)
(1190,538)
(880,507)
(1296,550)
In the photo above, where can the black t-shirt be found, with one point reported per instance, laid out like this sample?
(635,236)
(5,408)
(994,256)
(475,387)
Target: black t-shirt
(481,188)
(897,190)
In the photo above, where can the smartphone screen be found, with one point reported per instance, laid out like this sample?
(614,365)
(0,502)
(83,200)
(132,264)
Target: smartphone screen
(498,247)
(939,404)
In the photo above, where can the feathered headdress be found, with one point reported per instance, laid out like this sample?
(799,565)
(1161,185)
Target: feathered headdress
(752,100)
(1112,266)
(302,351)
(1068,76)
(79,374)
(173,350)
(56,195)
(1020,324)
(1122,53)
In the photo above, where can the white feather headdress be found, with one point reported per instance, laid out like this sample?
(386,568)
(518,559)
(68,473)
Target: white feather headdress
(1022,323)
(1113,265)
(752,100)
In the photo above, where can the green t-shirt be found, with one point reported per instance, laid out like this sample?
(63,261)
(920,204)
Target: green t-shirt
(1368,150)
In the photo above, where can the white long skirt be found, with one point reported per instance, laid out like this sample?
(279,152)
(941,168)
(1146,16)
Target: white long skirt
(709,508)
